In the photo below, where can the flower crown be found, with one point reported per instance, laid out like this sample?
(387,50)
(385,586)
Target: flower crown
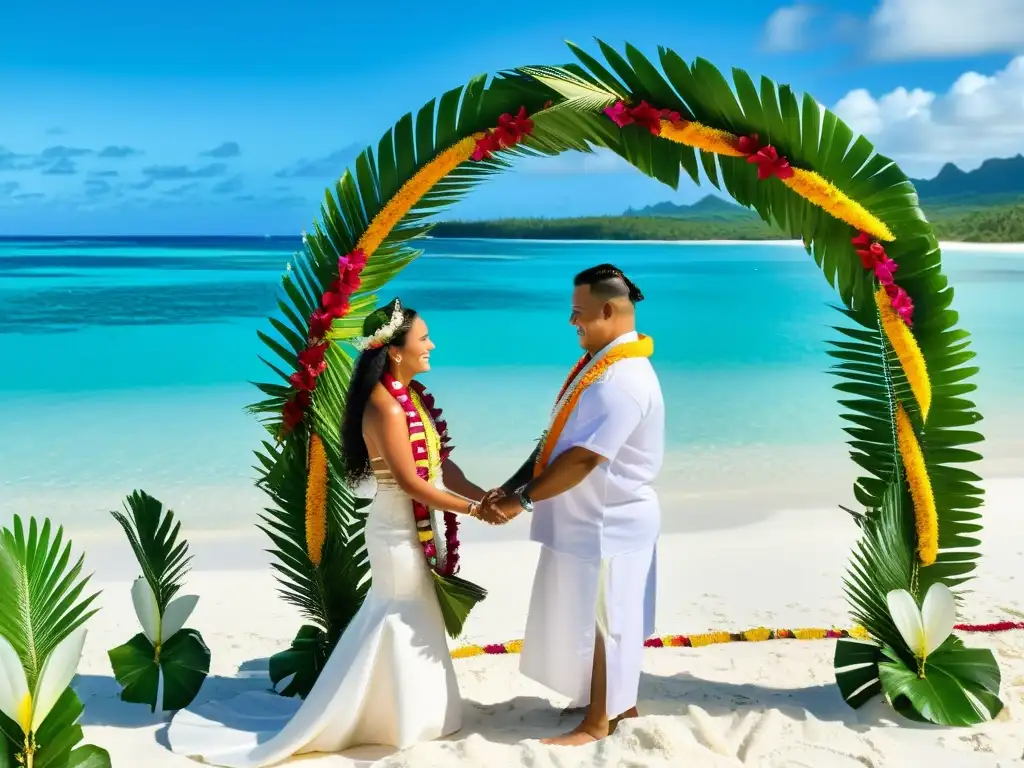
(383,335)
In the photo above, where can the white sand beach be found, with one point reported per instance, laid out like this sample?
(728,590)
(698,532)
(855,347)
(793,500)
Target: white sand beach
(769,704)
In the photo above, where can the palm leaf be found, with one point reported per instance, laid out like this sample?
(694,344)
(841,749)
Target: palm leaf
(41,592)
(153,535)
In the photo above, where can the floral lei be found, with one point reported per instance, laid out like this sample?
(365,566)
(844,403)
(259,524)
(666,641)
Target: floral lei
(428,437)
(566,401)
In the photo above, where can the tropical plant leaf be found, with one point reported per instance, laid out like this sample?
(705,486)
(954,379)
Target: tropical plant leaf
(300,663)
(153,535)
(41,592)
(883,560)
(960,686)
(456,597)
(89,756)
(56,739)
(856,664)
(184,663)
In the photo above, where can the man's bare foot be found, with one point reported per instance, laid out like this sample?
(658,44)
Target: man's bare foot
(584,733)
(627,715)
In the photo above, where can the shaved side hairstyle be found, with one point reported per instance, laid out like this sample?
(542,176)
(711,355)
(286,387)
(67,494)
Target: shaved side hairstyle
(607,282)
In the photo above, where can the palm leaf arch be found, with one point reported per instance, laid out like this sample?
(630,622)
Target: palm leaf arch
(566,106)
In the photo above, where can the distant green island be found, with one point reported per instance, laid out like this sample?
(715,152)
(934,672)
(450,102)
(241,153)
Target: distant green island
(985,205)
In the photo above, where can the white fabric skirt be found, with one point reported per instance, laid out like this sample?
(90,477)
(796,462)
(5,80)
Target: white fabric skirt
(572,599)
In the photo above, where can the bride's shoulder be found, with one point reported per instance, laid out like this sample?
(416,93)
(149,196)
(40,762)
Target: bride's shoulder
(382,404)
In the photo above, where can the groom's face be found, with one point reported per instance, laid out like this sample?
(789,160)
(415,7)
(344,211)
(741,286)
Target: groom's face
(591,317)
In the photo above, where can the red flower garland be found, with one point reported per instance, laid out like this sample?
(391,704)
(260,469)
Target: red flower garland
(334,304)
(767,158)
(418,442)
(511,130)
(643,114)
(873,257)
(451,520)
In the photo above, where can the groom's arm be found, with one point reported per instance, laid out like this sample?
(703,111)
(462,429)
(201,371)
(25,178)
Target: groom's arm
(522,476)
(607,415)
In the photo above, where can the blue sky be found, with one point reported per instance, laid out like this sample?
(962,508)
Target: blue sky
(225,117)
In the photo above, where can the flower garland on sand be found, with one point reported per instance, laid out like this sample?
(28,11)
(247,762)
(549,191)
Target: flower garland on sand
(566,402)
(758,634)
(429,442)
(809,185)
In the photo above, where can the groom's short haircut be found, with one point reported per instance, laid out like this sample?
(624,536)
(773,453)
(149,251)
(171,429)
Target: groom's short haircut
(607,282)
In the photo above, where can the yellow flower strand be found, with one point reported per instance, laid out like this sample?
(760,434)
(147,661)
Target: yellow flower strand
(701,137)
(907,350)
(709,638)
(316,500)
(811,186)
(821,192)
(926,516)
(410,193)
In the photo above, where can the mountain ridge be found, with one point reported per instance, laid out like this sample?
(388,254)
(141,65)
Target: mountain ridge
(997,180)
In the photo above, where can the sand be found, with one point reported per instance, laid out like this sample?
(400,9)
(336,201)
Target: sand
(759,704)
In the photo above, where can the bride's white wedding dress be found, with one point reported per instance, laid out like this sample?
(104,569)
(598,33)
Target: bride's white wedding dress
(389,681)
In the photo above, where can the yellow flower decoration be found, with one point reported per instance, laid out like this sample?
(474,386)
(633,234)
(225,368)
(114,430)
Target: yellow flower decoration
(926,516)
(811,186)
(316,500)
(821,192)
(907,350)
(413,191)
(701,137)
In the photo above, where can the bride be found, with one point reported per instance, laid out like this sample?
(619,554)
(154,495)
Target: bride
(389,680)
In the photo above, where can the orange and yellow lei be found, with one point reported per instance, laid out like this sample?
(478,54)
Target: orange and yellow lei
(642,347)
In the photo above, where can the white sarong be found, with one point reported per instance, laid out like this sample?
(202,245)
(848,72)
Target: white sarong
(574,597)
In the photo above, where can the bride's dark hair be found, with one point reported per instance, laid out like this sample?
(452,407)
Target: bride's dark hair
(369,367)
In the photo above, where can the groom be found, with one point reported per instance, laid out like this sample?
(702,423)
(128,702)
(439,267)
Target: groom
(595,513)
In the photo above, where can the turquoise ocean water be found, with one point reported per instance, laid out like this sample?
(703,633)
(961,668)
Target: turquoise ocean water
(125,364)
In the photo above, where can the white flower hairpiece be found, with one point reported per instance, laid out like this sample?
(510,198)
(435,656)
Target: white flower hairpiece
(384,334)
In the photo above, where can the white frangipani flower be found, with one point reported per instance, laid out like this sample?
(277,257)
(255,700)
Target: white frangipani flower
(30,708)
(159,629)
(924,629)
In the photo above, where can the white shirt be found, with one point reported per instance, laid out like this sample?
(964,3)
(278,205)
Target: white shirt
(614,509)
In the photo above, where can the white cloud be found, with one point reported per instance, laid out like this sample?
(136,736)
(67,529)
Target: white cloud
(933,28)
(980,116)
(787,28)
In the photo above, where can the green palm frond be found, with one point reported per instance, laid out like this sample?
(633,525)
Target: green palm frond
(41,592)
(153,535)
(882,561)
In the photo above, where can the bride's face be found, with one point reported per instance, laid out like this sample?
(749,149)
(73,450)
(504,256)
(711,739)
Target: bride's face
(415,353)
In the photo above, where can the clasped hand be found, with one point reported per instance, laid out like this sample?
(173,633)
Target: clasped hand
(498,508)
